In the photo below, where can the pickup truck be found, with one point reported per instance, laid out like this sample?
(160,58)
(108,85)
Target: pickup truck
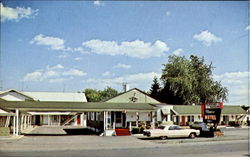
(168,131)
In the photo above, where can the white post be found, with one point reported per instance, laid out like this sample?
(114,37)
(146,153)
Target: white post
(25,122)
(104,123)
(130,126)
(48,120)
(21,123)
(17,122)
(59,120)
(82,119)
(114,120)
(169,117)
(153,120)
(14,125)
(137,115)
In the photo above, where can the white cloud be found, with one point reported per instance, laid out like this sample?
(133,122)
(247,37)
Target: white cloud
(16,14)
(177,52)
(124,66)
(54,43)
(78,58)
(237,84)
(74,72)
(63,55)
(58,66)
(168,13)
(207,38)
(136,49)
(98,3)
(107,73)
(33,76)
(52,74)
(57,80)
(140,80)
(247,28)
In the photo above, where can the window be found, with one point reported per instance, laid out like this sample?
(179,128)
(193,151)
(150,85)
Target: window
(161,127)
(171,128)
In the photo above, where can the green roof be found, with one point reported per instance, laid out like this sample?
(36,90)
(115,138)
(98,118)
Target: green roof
(74,106)
(233,110)
(189,110)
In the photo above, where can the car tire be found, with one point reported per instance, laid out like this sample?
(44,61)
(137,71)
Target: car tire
(192,135)
(163,137)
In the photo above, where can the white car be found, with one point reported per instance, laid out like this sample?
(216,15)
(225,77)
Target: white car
(167,131)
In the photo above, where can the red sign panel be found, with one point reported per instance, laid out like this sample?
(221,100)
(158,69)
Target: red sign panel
(211,112)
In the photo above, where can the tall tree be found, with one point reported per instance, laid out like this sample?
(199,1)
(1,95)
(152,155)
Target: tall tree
(94,95)
(108,93)
(188,81)
(155,89)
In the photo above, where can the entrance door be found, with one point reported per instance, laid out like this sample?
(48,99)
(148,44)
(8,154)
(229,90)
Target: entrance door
(183,120)
(118,119)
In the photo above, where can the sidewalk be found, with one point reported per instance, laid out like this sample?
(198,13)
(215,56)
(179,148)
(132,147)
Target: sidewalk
(12,137)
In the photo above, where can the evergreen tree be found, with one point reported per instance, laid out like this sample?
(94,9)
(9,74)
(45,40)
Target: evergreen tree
(155,89)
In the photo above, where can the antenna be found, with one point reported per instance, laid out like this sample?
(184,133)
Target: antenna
(125,86)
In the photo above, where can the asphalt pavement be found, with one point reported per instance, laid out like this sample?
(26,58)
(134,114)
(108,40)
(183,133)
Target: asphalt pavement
(45,142)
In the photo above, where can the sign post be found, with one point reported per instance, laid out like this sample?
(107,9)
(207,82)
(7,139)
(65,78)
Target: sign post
(211,112)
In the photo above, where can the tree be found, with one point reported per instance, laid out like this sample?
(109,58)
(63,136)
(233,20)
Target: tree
(187,81)
(94,95)
(155,89)
(108,93)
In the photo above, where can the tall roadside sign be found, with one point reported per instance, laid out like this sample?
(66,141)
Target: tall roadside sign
(211,112)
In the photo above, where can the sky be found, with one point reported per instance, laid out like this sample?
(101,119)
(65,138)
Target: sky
(72,45)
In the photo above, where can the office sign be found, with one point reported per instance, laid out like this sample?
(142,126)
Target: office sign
(211,112)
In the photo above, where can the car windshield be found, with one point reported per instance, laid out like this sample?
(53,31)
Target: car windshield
(161,127)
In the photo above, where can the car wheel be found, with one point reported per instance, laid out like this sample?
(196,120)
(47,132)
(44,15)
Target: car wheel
(192,135)
(163,137)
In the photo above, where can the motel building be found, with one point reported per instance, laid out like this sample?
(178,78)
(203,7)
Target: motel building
(129,112)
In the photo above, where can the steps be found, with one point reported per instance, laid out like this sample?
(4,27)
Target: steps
(122,132)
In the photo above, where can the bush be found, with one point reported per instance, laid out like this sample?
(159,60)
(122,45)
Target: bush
(234,123)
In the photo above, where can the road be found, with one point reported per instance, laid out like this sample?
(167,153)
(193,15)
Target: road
(233,144)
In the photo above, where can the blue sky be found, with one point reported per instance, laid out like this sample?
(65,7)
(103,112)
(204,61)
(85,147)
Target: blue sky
(70,46)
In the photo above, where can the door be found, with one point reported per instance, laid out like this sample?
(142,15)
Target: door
(118,119)
(183,120)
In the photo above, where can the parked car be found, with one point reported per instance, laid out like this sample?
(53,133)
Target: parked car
(205,131)
(199,126)
(168,131)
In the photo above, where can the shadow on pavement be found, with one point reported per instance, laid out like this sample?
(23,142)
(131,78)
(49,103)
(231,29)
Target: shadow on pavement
(68,132)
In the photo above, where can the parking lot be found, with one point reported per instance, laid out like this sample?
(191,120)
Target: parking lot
(47,139)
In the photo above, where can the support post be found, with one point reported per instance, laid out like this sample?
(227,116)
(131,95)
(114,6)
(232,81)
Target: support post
(104,123)
(153,120)
(59,120)
(25,122)
(21,123)
(137,118)
(17,122)
(130,126)
(48,120)
(14,125)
